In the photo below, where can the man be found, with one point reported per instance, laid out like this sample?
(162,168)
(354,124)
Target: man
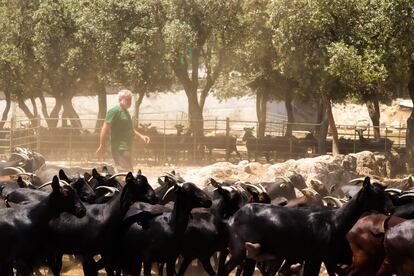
(118,122)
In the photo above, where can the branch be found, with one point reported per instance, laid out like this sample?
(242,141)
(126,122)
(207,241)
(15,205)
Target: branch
(212,77)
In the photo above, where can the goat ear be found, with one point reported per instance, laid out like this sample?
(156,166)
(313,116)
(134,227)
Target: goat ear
(105,170)
(63,176)
(214,183)
(139,172)
(251,190)
(87,176)
(129,177)
(55,183)
(95,173)
(367,183)
(20,182)
(410,181)
(159,180)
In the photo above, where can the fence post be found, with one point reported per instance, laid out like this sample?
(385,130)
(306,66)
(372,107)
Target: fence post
(215,127)
(386,135)
(164,143)
(355,138)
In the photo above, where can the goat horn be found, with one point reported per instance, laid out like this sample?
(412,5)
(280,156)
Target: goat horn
(176,178)
(168,191)
(22,155)
(410,194)
(227,188)
(310,190)
(112,190)
(44,185)
(26,174)
(263,188)
(285,178)
(254,187)
(62,182)
(317,181)
(357,180)
(119,174)
(335,200)
(393,191)
(15,169)
(21,169)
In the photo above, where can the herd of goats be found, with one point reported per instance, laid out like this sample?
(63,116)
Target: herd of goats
(120,223)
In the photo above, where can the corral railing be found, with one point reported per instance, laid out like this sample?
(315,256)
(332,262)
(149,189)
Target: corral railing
(79,144)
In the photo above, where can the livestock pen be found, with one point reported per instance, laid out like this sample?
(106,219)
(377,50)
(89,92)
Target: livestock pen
(172,142)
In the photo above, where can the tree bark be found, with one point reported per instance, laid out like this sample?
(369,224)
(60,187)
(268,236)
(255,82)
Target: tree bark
(289,111)
(331,120)
(261,111)
(44,106)
(23,106)
(33,101)
(322,130)
(101,92)
(410,121)
(195,114)
(54,114)
(374,114)
(138,103)
(71,113)
(7,109)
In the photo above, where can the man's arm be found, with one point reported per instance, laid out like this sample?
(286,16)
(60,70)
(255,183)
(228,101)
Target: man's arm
(144,138)
(103,138)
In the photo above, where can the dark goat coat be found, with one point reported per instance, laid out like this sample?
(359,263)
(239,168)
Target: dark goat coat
(300,233)
(160,239)
(99,230)
(399,248)
(366,239)
(24,230)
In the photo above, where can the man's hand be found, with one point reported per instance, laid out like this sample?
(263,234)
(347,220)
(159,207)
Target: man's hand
(145,139)
(100,151)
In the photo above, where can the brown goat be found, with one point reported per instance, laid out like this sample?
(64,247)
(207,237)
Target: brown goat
(366,241)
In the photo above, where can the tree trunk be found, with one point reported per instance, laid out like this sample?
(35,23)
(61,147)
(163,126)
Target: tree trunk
(44,106)
(54,114)
(331,120)
(71,113)
(23,106)
(33,101)
(101,92)
(322,130)
(289,111)
(195,114)
(374,114)
(138,103)
(410,121)
(261,111)
(7,109)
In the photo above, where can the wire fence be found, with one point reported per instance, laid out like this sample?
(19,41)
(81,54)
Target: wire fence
(170,141)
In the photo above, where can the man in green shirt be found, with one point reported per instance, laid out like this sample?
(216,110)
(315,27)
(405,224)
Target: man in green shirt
(118,122)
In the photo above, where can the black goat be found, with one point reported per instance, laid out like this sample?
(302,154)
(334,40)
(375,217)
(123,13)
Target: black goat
(21,160)
(298,234)
(26,195)
(99,230)
(227,143)
(24,230)
(159,239)
(206,232)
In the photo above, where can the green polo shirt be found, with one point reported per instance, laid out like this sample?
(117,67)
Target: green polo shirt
(121,128)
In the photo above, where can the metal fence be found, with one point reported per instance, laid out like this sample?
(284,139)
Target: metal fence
(79,144)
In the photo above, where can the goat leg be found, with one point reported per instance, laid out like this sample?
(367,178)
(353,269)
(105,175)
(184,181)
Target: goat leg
(184,265)
(205,261)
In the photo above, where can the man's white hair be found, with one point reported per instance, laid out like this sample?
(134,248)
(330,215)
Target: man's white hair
(124,93)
